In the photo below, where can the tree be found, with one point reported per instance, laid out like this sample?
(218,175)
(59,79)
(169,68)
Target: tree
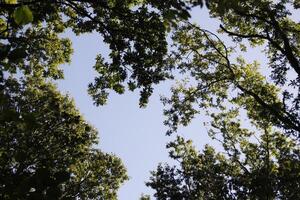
(46,147)
(223,85)
(47,152)
(266,170)
(257,159)
(145,197)
(134,30)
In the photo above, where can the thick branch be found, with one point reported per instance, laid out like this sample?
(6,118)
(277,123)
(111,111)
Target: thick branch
(287,46)
(291,124)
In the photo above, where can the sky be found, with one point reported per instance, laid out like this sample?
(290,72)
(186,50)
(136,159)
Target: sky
(136,135)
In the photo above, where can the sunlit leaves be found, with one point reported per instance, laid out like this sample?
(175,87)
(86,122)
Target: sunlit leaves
(49,142)
(247,169)
(198,176)
(23,15)
(11,1)
(257,130)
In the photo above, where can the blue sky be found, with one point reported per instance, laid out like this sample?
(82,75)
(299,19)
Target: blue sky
(135,135)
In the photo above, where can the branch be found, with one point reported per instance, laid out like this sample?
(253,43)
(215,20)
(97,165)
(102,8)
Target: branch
(285,117)
(288,52)
(291,124)
(242,35)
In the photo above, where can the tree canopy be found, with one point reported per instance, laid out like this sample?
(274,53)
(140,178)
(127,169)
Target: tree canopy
(254,116)
(134,30)
(267,168)
(47,147)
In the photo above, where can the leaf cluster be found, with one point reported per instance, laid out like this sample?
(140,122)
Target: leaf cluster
(47,147)
(254,117)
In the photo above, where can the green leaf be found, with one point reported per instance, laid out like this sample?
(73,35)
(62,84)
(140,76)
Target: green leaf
(119,88)
(3,27)
(23,15)
(132,86)
(11,1)
(296,4)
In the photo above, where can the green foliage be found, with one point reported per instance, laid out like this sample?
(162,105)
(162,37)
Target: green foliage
(23,15)
(254,117)
(11,1)
(46,147)
(252,171)
(217,72)
(145,197)
(135,32)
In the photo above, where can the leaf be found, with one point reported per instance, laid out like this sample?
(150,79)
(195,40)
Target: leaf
(132,86)
(296,4)
(119,88)
(11,1)
(23,15)
(3,27)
